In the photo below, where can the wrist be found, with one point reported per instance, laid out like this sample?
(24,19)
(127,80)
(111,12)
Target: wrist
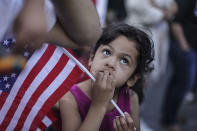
(102,108)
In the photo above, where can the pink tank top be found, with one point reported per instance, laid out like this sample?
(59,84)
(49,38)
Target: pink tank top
(84,103)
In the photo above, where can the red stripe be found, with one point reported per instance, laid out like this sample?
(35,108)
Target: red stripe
(42,126)
(64,87)
(42,87)
(3,97)
(51,116)
(94,2)
(35,70)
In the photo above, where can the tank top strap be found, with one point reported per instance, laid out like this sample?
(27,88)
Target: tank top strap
(82,100)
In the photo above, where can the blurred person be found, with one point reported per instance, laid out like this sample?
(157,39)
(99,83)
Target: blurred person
(116,12)
(80,24)
(73,30)
(24,21)
(183,57)
(153,15)
(26,17)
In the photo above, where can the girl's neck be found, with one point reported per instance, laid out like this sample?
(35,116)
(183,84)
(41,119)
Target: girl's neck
(116,94)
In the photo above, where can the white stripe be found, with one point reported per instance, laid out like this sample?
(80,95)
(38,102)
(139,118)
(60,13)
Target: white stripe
(47,121)
(38,129)
(101,6)
(47,93)
(34,85)
(30,64)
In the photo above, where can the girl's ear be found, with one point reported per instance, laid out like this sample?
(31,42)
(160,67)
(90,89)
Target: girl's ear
(90,60)
(132,80)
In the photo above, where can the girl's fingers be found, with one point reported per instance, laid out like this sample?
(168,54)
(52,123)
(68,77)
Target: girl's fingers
(99,77)
(115,126)
(105,78)
(124,123)
(118,123)
(129,120)
(109,82)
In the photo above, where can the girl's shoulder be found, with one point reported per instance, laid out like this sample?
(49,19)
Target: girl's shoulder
(133,94)
(68,99)
(135,108)
(134,100)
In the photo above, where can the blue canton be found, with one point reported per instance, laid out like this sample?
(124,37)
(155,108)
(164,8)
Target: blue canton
(7,80)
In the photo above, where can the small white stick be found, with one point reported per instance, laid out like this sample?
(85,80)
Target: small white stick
(92,77)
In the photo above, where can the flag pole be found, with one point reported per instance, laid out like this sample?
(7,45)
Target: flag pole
(92,77)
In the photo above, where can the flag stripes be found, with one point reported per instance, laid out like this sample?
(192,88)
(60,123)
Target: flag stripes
(39,84)
(48,76)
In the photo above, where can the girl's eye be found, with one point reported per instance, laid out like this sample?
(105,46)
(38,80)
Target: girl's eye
(124,61)
(106,52)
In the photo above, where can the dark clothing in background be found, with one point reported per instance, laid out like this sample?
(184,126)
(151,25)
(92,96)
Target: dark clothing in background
(187,17)
(119,9)
(184,62)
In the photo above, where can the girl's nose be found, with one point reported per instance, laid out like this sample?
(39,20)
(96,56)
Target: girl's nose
(111,63)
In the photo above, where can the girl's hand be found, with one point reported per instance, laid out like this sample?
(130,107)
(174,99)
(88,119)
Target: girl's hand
(124,124)
(103,88)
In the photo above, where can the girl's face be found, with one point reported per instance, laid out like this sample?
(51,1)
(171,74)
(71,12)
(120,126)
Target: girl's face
(119,57)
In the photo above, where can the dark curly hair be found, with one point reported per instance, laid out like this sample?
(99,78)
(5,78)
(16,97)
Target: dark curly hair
(144,46)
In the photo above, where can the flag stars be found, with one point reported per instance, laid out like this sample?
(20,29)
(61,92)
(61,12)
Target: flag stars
(13,40)
(26,54)
(7,86)
(6,42)
(13,75)
(5,78)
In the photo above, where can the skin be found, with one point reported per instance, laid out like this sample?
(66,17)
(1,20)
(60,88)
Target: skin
(112,65)
(31,21)
(78,26)
(79,20)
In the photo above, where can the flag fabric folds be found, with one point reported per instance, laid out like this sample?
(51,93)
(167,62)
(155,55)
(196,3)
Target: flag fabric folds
(47,76)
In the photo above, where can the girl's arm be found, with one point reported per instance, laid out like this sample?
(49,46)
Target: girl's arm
(101,93)
(71,119)
(135,109)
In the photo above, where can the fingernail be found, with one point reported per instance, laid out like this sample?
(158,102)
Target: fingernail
(126,113)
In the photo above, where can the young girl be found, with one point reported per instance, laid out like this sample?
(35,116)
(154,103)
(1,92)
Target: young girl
(119,61)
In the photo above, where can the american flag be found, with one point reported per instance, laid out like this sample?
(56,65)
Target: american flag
(26,98)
